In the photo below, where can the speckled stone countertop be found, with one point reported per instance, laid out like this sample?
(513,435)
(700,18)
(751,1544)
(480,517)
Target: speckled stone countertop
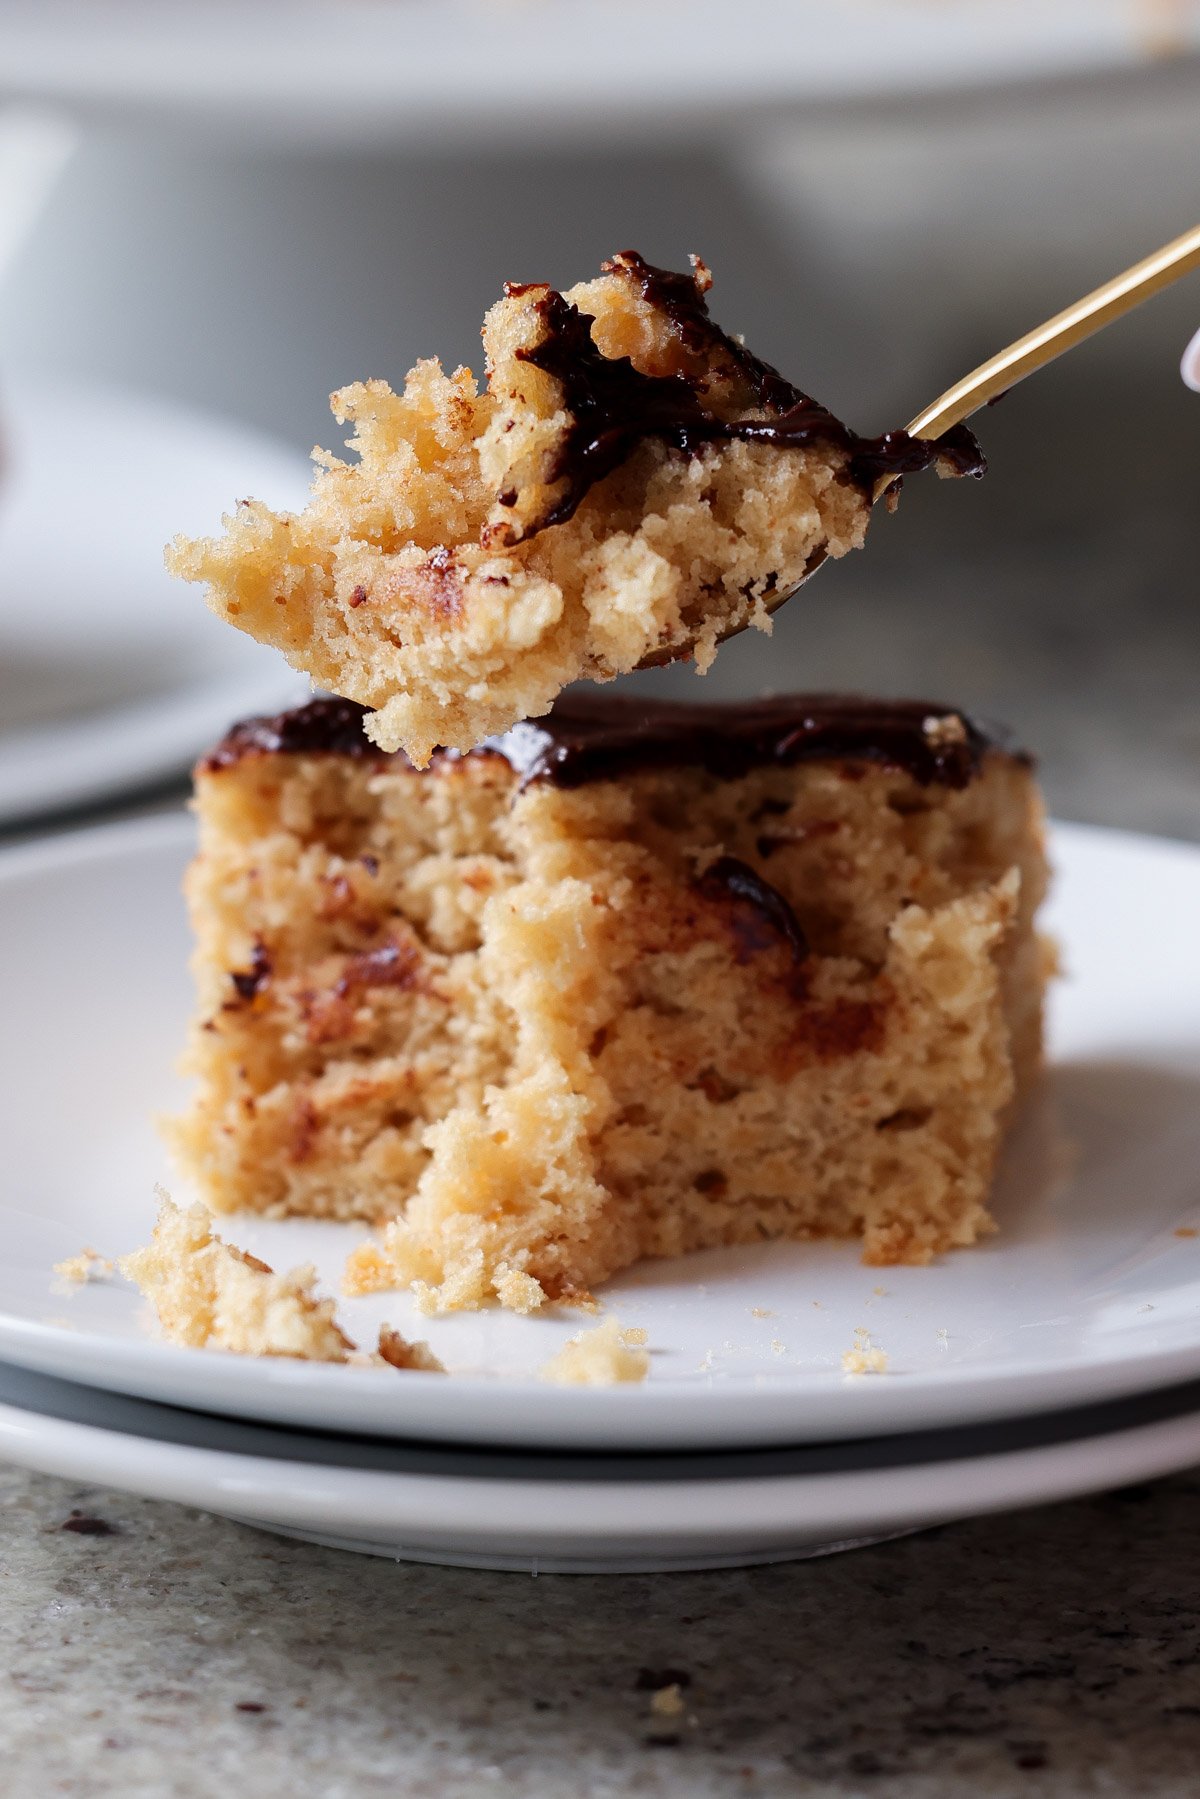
(1052,1652)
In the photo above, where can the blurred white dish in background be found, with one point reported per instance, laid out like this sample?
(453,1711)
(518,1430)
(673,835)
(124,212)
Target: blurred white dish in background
(1189,367)
(382,71)
(1088,1292)
(35,144)
(111,674)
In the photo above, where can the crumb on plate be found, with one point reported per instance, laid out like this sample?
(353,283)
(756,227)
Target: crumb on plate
(605,1355)
(209,1294)
(88,1265)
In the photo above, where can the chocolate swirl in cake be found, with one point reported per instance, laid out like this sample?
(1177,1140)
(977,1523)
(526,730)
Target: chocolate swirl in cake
(601,737)
(614,407)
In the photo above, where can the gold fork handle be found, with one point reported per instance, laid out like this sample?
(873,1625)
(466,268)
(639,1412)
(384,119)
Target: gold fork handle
(1062,332)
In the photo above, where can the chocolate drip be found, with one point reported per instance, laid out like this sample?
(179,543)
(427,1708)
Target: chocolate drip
(767,918)
(681,298)
(614,407)
(602,737)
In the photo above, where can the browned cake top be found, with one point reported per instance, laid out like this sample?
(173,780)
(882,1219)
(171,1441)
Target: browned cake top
(597,737)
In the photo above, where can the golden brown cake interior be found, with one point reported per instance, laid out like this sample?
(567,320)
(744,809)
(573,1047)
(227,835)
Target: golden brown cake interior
(630,482)
(627,983)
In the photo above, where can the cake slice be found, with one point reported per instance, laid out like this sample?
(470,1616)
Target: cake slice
(627,982)
(631,483)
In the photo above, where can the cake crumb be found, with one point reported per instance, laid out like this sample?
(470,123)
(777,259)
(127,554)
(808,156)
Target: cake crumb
(864,1361)
(367,1270)
(603,1356)
(397,1352)
(519,1292)
(88,1265)
(209,1294)
(761,1312)
(668,1701)
(1187,1230)
(880,1292)
(777,1347)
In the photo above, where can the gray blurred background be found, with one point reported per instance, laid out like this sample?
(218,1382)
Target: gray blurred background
(874,244)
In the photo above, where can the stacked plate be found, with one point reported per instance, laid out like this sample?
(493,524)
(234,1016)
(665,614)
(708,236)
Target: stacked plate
(1059,1357)
(112,677)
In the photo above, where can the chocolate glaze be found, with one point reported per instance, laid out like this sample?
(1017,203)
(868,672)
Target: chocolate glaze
(326,725)
(593,736)
(596,737)
(614,407)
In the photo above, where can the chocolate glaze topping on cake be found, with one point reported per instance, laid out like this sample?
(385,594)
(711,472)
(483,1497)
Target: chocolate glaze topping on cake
(614,406)
(325,726)
(598,737)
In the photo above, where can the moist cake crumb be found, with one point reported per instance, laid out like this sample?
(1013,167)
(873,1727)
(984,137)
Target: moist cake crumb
(88,1265)
(862,1360)
(631,484)
(603,1356)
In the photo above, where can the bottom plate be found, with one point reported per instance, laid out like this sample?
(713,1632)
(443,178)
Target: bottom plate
(587,1513)
(573,1564)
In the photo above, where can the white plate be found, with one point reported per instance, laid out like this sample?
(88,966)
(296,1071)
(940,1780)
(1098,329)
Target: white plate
(1086,1293)
(580,1514)
(603,65)
(111,673)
